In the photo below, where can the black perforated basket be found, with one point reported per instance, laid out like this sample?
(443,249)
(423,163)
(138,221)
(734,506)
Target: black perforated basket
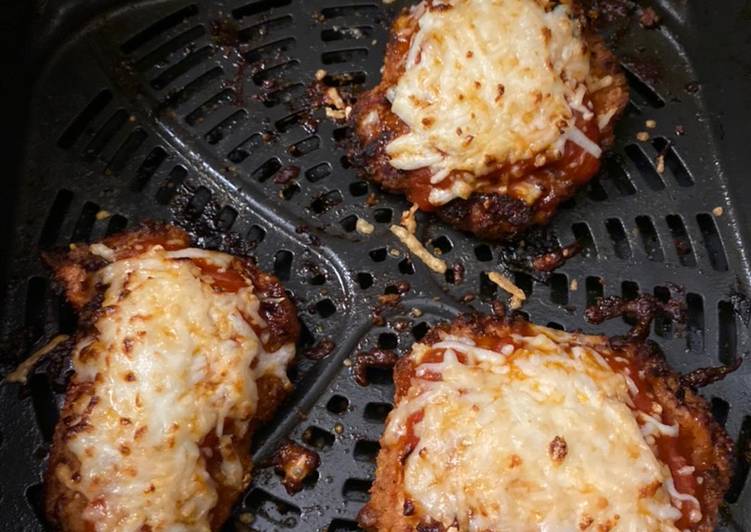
(196,110)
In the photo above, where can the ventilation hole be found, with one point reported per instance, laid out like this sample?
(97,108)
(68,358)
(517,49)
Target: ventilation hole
(325,201)
(342,133)
(198,203)
(618,236)
(55,218)
(277,71)
(523,281)
(243,150)
(35,497)
(644,91)
(388,341)
(325,308)
(366,11)
(487,287)
(81,122)
(629,290)
(318,279)
(569,204)
(378,255)
(192,89)
(483,253)
(727,334)
(742,446)
(614,172)
(126,150)
(306,337)
(266,507)
(344,56)
(720,409)
(695,323)
(583,236)
(442,244)
(257,7)
(116,224)
(383,216)
(283,264)
(341,33)
(559,289)
(349,223)
(420,330)
(673,162)
(681,241)
(290,191)
(105,134)
(345,79)
(406,267)
(85,223)
(263,29)
(198,115)
(226,218)
(355,489)
(596,191)
(645,167)
(191,61)
(380,376)
(266,170)
(67,318)
(256,234)
(158,28)
(358,188)
(318,172)
(556,326)
(318,438)
(45,407)
(148,168)
(36,310)
(338,404)
(365,280)
(284,95)
(342,525)
(305,146)
(162,53)
(366,451)
(272,50)
(663,325)
(594,289)
(377,412)
(712,242)
(225,127)
(649,238)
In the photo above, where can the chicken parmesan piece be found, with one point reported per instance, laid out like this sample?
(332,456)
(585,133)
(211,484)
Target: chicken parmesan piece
(490,112)
(503,425)
(180,354)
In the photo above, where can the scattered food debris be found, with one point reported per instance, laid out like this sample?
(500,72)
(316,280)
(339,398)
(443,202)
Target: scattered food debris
(321,350)
(717,211)
(336,109)
(375,358)
(416,248)
(552,260)
(517,294)
(286,174)
(408,219)
(364,227)
(415,312)
(660,163)
(295,463)
(680,130)
(338,428)
(649,19)
(103,215)
(320,74)
(651,124)
(574,286)
(642,136)
(21,373)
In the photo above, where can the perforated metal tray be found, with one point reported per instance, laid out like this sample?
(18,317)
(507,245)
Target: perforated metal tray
(188,110)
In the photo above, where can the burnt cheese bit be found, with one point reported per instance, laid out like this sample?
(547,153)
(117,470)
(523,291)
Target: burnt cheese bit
(295,463)
(375,358)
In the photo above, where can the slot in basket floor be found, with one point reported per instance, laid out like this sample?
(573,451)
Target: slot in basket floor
(188,110)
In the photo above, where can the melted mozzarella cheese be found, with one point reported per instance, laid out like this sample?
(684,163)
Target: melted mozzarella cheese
(171,360)
(539,437)
(489,82)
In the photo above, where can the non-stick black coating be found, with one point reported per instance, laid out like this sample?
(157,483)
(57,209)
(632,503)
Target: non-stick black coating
(159,110)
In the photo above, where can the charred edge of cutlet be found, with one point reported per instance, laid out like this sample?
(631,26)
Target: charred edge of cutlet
(713,448)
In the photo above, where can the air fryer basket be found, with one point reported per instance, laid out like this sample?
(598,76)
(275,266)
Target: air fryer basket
(196,110)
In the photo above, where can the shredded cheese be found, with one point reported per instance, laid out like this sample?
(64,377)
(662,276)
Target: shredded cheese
(489,82)
(488,423)
(517,294)
(171,362)
(416,248)
(21,373)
